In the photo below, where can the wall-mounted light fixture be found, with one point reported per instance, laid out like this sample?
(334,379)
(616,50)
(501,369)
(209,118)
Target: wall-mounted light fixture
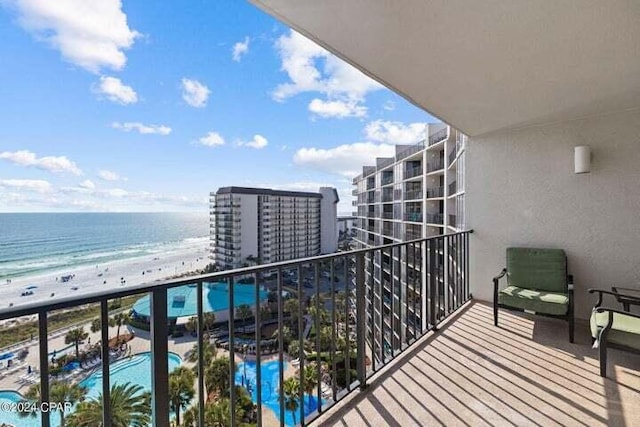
(582,159)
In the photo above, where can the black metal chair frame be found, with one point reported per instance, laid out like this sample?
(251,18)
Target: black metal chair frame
(569,317)
(603,343)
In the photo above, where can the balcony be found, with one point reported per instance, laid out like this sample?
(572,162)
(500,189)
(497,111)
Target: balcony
(412,172)
(413,216)
(437,218)
(413,195)
(387,179)
(438,137)
(453,188)
(435,192)
(387,215)
(452,220)
(435,165)
(469,373)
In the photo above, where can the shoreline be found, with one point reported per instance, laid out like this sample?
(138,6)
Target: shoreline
(115,274)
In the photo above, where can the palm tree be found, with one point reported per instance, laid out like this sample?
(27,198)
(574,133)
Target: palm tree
(287,335)
(209,349)
(60,394)
(192,325)
(292,306)
(119,320)
(310,376)
(96,325)
(181,390)
(244,312)
(291,396)
(74,336)
(208,320)
(216,376)
(130,407)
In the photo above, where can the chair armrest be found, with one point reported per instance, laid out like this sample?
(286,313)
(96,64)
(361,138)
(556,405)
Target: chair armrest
(615,294)
(500,276)
(614,310)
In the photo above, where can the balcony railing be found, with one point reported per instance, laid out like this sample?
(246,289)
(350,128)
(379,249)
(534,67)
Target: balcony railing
(387,215)
(413,216)
(452,220)
(435,192)
(411,172)
(435,218)
(437,137)
(435,165)
(348,321)
(413,195)
(453,188)
(387,179)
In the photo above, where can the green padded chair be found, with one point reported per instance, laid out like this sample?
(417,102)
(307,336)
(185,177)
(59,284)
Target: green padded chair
(613,328)
(538,283)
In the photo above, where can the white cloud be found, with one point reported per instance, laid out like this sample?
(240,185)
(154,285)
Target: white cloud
(338,109)
(107,175)
(195,93)
(346,160)
(49,163)
(87,184)
(116,91)
(90,34)
(240,49)
(258,142)
(311,68)
(212,139)
(389,105)
(37,185)
(395,132)
(142,128)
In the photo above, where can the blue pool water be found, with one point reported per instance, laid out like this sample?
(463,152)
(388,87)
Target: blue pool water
(270,383)
(182,301)
(136,370)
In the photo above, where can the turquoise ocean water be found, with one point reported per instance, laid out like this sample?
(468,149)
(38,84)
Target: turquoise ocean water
(33,243)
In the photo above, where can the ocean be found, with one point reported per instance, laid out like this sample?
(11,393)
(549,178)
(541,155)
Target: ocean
(34,243)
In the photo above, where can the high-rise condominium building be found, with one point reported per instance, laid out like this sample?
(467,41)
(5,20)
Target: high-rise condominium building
(417,193)
(249,225)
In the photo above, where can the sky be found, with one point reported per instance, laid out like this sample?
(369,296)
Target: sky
(149,106)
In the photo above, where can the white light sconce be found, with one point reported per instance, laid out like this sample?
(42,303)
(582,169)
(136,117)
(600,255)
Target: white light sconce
(582,159)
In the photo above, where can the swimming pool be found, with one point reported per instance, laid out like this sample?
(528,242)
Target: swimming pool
(182,300)
(136,370)
(270,378)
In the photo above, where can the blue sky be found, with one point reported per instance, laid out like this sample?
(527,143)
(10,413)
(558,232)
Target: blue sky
(149,106)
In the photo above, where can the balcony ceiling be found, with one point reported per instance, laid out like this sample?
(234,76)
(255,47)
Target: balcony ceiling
(485,66)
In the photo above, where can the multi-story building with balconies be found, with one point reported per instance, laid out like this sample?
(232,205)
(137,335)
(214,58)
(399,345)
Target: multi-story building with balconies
(417,193)
(249,225)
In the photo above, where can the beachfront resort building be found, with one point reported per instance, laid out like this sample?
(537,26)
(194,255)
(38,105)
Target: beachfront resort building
(261,225)
(417,193)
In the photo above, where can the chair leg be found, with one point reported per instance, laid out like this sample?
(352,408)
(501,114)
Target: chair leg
(603,358)
(571,329)
(495,314)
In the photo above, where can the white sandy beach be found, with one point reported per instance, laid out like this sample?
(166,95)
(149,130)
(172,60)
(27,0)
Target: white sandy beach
(113,275)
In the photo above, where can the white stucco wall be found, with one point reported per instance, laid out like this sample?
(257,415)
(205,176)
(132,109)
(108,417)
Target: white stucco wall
(521,191)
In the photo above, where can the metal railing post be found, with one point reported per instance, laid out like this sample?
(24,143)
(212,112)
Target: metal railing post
(159,359)
(104,348)
(232,353)
(44,364)
(360,321)
(432,282)
(201,372)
